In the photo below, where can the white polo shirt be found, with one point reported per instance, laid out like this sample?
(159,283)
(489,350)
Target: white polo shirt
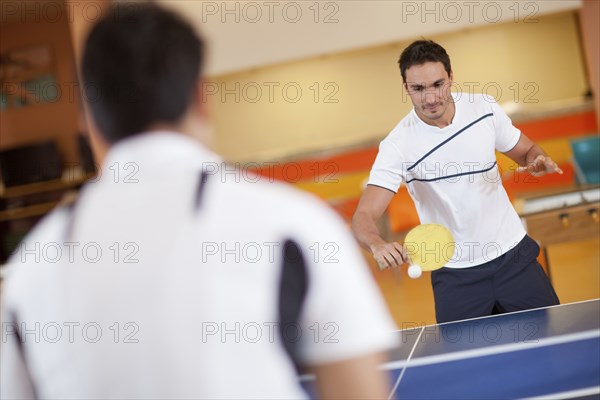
(452,176)
(158,285)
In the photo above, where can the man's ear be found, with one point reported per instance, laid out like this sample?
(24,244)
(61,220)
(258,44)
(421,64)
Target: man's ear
(204,93)
(98,143)
(200,112)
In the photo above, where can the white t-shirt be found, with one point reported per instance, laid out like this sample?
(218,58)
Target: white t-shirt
(158,286)
(452,176)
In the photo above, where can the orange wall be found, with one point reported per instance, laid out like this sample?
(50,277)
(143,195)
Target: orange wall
(58,120)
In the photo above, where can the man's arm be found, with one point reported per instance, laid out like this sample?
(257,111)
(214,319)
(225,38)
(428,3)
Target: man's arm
(371,207)
(532,158)
(358,378)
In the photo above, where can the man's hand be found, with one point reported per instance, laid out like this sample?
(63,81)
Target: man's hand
(541,166)
(389,255)
(533,158)
(356,378)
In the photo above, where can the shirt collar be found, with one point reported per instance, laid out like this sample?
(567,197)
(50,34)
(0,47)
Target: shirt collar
(160,148)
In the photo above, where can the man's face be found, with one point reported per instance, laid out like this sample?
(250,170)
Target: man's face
(428,86)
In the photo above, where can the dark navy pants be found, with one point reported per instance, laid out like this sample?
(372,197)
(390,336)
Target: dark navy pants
(512,282)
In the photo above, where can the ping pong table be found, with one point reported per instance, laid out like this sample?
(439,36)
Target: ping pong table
(544,353)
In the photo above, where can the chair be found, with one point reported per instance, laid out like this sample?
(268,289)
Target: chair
(586,154)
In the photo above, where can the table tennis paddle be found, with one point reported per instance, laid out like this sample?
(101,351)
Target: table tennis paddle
(429,247)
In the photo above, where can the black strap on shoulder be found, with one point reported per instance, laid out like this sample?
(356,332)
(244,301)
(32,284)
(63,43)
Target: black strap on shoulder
(200,189)
(293,287)
(69,204)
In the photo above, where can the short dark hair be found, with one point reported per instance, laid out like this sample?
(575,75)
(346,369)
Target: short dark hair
(140,67)
(420,52)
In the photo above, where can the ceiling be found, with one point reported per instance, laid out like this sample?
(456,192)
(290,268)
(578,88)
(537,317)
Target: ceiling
(249,34)
(246,34)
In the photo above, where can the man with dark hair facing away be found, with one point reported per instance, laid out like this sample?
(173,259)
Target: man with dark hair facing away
(177,280)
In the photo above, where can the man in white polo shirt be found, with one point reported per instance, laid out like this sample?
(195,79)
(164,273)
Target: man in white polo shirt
(171,277)
(444,152)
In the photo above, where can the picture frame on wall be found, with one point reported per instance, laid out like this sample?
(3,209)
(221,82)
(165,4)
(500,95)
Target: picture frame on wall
(27,77)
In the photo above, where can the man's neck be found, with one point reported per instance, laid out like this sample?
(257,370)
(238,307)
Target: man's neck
(193,126)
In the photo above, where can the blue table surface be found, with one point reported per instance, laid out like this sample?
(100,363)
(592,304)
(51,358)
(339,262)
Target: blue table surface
(542,352)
